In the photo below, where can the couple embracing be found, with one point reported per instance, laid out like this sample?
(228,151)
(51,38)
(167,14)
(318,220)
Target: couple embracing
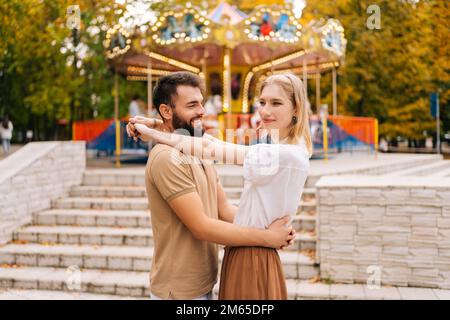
(190,212)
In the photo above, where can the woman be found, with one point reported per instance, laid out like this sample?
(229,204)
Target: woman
(274,176)
(6,129)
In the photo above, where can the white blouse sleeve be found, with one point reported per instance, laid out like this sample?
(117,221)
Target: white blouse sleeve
(263,161)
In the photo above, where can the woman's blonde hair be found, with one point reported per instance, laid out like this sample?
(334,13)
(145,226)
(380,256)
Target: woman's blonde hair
(294,89)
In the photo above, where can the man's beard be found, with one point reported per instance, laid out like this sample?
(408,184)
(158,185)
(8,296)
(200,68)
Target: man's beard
(183,127)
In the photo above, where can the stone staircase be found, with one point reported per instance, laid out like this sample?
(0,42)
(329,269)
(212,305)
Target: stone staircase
(102,233)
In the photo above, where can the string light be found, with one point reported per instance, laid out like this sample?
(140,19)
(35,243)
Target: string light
(333,27)
(273,36)
(248,79)
(112,53)
(279,61)
(226,81)
(181,37)
(157,72)
(321,66)
(173,62)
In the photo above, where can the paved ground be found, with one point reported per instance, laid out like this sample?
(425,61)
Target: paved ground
(304,290)
(10,294)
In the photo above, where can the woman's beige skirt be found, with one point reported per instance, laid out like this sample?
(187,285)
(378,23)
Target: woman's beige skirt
(252,273)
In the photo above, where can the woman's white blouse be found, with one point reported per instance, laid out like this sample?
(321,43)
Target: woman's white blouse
(274,178)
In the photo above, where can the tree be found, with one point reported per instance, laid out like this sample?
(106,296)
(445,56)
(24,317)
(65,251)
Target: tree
(37,79)
(389,73)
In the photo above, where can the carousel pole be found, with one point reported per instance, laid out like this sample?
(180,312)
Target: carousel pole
(227,86)
(305,76)
(116,117)
(318,91)
(205,56)
(334,92)
(149,89)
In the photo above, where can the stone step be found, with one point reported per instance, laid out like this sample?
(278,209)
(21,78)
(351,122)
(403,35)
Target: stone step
(297,265)
(305,207)
(124,218)
(236,192)
(24,294)
(304,222)
(108,236)
(135,177)
(94,218)
(140,204)
(423,170)
(442,173)
(140,192)
(304,241)
(120,284)
(114,177)
(311,181)
(108,191)
(101,203)
(85,235)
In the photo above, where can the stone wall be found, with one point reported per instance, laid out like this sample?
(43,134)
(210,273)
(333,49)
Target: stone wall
(398,227)
(35,175)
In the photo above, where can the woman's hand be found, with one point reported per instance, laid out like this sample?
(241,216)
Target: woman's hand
(281,236)
(149,122)
(142,131)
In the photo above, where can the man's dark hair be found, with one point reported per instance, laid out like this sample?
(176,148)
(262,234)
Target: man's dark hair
(166,87)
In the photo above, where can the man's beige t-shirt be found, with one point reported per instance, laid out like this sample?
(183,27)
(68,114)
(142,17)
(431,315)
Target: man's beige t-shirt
(182,266)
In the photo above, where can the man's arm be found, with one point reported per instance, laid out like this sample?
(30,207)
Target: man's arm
(227,211)
(189,209)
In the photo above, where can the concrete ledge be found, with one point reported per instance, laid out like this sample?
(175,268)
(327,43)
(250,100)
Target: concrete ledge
(394,229)
(34,176)
(384,181)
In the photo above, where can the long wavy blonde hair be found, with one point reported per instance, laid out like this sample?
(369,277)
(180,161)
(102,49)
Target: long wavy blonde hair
(294,89)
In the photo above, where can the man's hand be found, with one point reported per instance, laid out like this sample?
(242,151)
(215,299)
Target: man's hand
(149,122)
(280,236)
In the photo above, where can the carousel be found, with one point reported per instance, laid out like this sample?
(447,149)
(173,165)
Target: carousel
(233,50)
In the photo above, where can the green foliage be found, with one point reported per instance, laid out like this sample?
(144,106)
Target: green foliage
(388,73)
(38,81)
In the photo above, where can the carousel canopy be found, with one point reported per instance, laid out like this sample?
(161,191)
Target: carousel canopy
(225,11)
(269,39)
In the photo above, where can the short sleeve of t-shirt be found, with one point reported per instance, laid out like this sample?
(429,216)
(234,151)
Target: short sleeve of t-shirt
(263,161)
(171,175)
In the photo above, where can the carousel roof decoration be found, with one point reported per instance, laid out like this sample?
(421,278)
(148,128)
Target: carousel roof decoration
(186,25)
(117,42)
(275,24)
(268,40)
(173,62)
(225,11)
(333,38)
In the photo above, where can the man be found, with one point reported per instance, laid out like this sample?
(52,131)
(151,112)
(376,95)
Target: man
(189,209)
